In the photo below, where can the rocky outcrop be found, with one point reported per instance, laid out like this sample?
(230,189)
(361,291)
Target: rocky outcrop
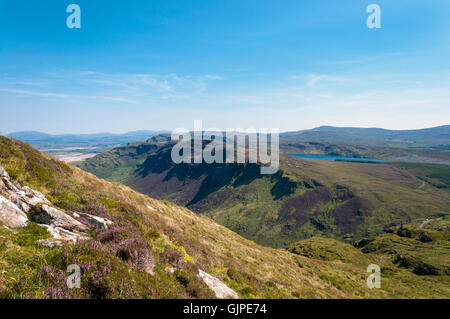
(11,215)
(221,290)
(62,227)
(5,183)
(97,222)
(27,198)
(51,216)
(60,236)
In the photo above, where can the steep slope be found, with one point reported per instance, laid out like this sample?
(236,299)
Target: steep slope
(305,198)
(180,242)
(118,164)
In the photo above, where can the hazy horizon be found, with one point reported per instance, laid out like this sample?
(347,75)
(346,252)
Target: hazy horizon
(170,130)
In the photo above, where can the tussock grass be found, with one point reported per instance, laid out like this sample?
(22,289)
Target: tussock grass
(253,271)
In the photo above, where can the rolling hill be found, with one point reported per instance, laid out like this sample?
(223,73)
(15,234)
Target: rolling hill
(346,201)
(390,154)
(436,137)
(180,246)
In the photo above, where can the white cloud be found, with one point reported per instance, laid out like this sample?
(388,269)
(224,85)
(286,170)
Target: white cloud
(313,79)
(144,100)
(137,88)
(66,97)
(36,93)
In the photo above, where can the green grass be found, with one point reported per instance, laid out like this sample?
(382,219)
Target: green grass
(408,153)
(174,235)
(434,174)
(32,271)
(419,250)
(417,259)
(269,210)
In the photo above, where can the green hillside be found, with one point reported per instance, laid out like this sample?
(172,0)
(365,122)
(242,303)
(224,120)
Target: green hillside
(435,137)
(172,237)
(391,154)
(305,198)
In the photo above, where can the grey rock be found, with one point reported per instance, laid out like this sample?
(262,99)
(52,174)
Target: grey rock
(3,173)
(60,237)
(62,227)
(97,222)
(221,290)
(31,193)
(56,218)
(11,215)
(63,235)
(51,243)
(24,197)
(27,198)
(6,186)
(5,183)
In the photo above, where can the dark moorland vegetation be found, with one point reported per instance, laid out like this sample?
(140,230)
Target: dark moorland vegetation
(346,201)
(173,235)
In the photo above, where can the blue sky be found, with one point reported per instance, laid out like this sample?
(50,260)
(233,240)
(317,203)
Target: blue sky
(233,64)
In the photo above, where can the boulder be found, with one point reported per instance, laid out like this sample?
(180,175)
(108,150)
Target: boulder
(54,217)
(60,236)
(62,227)
(11,215)
(51,243)
(23,197)
(97,222)
(4,173)
(3,188)
(221,290)
(31,193)
(27,198)
(5,183)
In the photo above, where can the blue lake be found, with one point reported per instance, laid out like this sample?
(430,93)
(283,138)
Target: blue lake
(336,158)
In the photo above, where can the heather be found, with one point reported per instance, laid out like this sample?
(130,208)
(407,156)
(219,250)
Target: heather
(305,198)
(156,252)
(117,263)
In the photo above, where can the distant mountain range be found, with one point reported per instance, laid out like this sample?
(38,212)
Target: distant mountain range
(43,141)
(436,137)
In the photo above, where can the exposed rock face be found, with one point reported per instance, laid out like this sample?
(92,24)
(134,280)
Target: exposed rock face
(11,215)
(23,197)
(5,183)
(60,236)
(51,243)
(62,227)
(98,222)
(27,198)
(221,290)
(56,218)
(3,172)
